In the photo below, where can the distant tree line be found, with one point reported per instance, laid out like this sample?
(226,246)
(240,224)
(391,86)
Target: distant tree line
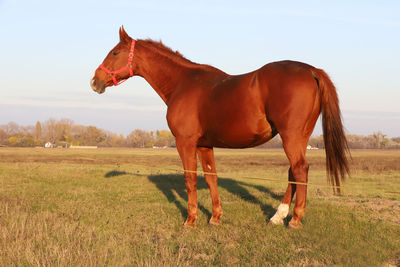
(376,140)
(65,132)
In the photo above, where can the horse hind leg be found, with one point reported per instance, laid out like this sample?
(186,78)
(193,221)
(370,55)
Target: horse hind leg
(283,208)
(298,172)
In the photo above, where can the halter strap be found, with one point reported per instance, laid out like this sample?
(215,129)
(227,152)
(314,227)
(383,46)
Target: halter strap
(128,66)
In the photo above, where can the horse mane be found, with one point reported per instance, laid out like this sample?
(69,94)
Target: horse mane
(176,56)
(167,51)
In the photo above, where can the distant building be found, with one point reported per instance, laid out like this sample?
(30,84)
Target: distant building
(311,147)
(48,145)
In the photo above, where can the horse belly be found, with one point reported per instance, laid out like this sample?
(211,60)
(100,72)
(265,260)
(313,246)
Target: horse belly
(234,114)
(237,134)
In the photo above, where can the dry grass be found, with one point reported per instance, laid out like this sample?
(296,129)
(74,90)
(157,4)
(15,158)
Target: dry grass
(98,207)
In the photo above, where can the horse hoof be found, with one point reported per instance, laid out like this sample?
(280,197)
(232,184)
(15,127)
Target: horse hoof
(294,226)
(214,222)
(189,224)
(275,221)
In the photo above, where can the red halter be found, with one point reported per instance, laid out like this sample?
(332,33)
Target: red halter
(128,66)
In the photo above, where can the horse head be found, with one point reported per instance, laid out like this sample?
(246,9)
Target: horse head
(117,66)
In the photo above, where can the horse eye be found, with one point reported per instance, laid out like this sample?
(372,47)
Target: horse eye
(115,53)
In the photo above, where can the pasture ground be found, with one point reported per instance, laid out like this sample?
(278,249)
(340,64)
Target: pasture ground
(122,207)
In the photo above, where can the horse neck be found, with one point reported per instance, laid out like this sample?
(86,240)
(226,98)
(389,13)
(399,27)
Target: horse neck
(163,69)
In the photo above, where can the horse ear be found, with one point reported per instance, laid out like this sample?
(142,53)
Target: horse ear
(123,36)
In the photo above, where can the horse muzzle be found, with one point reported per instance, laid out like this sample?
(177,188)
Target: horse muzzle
(98,87)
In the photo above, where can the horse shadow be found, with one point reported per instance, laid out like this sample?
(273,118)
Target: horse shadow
(168,184)
(173,188)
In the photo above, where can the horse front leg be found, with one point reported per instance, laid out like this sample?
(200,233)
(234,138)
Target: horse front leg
(187,152)
(206,156)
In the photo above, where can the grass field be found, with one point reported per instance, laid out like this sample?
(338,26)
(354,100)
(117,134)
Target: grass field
(124,207)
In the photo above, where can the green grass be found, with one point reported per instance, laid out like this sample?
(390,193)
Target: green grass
(99,207)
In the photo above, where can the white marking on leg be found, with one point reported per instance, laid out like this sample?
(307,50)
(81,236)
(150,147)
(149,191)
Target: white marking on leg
(281,213)
(208,166)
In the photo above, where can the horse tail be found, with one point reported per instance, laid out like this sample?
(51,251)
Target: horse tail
(336,147)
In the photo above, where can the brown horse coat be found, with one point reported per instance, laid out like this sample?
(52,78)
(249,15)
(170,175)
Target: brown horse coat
(208,108)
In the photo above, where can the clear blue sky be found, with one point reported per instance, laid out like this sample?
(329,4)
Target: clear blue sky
(50,49)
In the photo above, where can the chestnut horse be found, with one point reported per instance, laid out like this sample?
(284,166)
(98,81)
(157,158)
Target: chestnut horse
(209,108)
